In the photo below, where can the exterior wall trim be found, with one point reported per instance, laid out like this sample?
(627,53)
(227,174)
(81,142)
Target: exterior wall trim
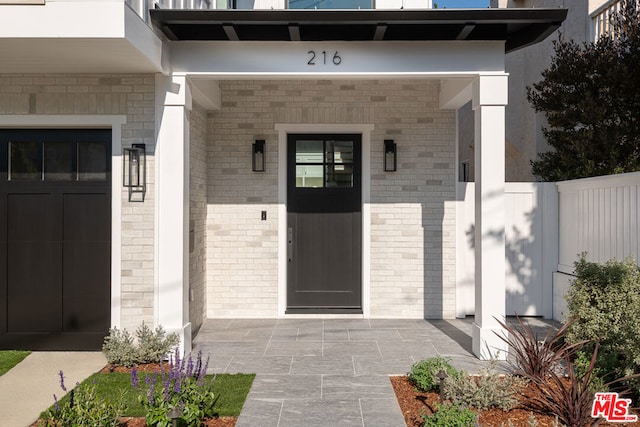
(364,129)
(114,122)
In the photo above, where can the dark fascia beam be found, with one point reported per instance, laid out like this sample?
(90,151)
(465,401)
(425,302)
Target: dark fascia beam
(294,32)
(230,32)
(381,29)
(530,35)
(466,30)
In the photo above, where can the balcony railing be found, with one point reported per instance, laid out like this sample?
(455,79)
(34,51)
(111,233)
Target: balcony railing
(603,19)
(141,7)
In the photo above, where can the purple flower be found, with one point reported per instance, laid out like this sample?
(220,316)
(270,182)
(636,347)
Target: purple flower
(55,403)
(190,366)
(203,372)
(134,377)
(62,381)
(167,387)
(151,383)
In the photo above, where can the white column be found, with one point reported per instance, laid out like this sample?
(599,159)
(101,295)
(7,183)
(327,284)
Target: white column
(489,100)
(173,102)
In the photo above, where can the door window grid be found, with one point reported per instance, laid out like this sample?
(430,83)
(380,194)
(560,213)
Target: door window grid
(324,164)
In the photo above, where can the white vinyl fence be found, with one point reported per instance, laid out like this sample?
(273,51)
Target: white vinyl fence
(531,231)
(599,216)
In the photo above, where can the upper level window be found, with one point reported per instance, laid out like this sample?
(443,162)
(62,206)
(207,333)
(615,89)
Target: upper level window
(330,4)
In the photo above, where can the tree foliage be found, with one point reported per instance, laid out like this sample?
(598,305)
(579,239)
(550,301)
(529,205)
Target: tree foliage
(590,96)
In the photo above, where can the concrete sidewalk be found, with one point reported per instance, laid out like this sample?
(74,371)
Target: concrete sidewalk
(28,388)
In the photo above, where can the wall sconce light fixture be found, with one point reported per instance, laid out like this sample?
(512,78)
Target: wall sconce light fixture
(134,171)
(390,156)
(258,161)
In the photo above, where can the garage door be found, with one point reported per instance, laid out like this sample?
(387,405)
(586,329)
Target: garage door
(55,238)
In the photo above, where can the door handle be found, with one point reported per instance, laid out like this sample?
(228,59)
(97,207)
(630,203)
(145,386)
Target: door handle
(290,244)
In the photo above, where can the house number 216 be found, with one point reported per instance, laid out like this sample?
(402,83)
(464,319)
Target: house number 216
(322,58)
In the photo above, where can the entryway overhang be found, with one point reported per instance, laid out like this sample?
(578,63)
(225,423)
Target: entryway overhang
(463,49)
(518,28)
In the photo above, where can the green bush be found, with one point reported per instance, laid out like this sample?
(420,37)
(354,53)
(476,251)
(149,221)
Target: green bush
(120,348)
(451,416)
(487,390)
(84,408)
(423,373)
(154,345)
(604,306)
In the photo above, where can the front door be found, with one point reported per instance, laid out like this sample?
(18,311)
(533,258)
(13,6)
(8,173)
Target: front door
(324,216)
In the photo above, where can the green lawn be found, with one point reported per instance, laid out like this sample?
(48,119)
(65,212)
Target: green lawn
(10,358)
(231,391)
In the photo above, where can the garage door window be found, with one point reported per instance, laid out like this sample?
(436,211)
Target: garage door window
(24,164)
(58,161)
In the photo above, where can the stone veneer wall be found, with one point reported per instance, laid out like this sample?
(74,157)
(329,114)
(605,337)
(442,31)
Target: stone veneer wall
(412,210)
(132,95)
(197,216)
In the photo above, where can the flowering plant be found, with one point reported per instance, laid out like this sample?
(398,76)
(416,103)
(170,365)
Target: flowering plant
(183,388)
(83,408)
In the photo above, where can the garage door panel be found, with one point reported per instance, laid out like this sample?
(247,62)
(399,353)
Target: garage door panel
(30,217)
(87,217)
(33,286)
(85,295)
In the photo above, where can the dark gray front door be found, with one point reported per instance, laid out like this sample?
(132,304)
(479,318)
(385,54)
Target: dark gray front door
(324,215)
(55,238)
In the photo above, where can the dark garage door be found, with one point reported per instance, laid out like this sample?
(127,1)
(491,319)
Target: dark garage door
(55,238)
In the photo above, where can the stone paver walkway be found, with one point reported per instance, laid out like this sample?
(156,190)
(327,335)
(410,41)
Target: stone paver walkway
(329,372)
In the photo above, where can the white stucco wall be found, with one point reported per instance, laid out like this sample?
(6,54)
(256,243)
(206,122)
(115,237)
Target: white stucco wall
(412,262)
(524,139)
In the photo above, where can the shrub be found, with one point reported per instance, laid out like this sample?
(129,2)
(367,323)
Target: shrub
(149,346)
(153,346)
(83,408)
(487,390)
(119,348)
(532,357)
(423,373)
(451,416)
(604,306)
(569,397)
(184,388)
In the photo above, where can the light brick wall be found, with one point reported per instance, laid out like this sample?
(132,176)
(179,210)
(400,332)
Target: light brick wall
(131,95)
(412,213)
(197,215)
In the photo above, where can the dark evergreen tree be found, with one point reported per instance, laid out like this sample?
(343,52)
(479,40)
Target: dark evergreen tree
(590,96)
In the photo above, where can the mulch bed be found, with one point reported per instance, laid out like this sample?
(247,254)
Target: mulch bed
(413,403)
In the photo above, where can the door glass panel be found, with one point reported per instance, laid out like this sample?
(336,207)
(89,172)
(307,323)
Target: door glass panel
(309,152)
(24,164)
(339,176)
(340,152)
(92,161)
(309,176)
(58,161)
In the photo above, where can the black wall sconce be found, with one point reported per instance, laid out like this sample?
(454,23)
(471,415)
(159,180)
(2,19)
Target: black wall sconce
(258,161)
(390,156)
(134,171)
